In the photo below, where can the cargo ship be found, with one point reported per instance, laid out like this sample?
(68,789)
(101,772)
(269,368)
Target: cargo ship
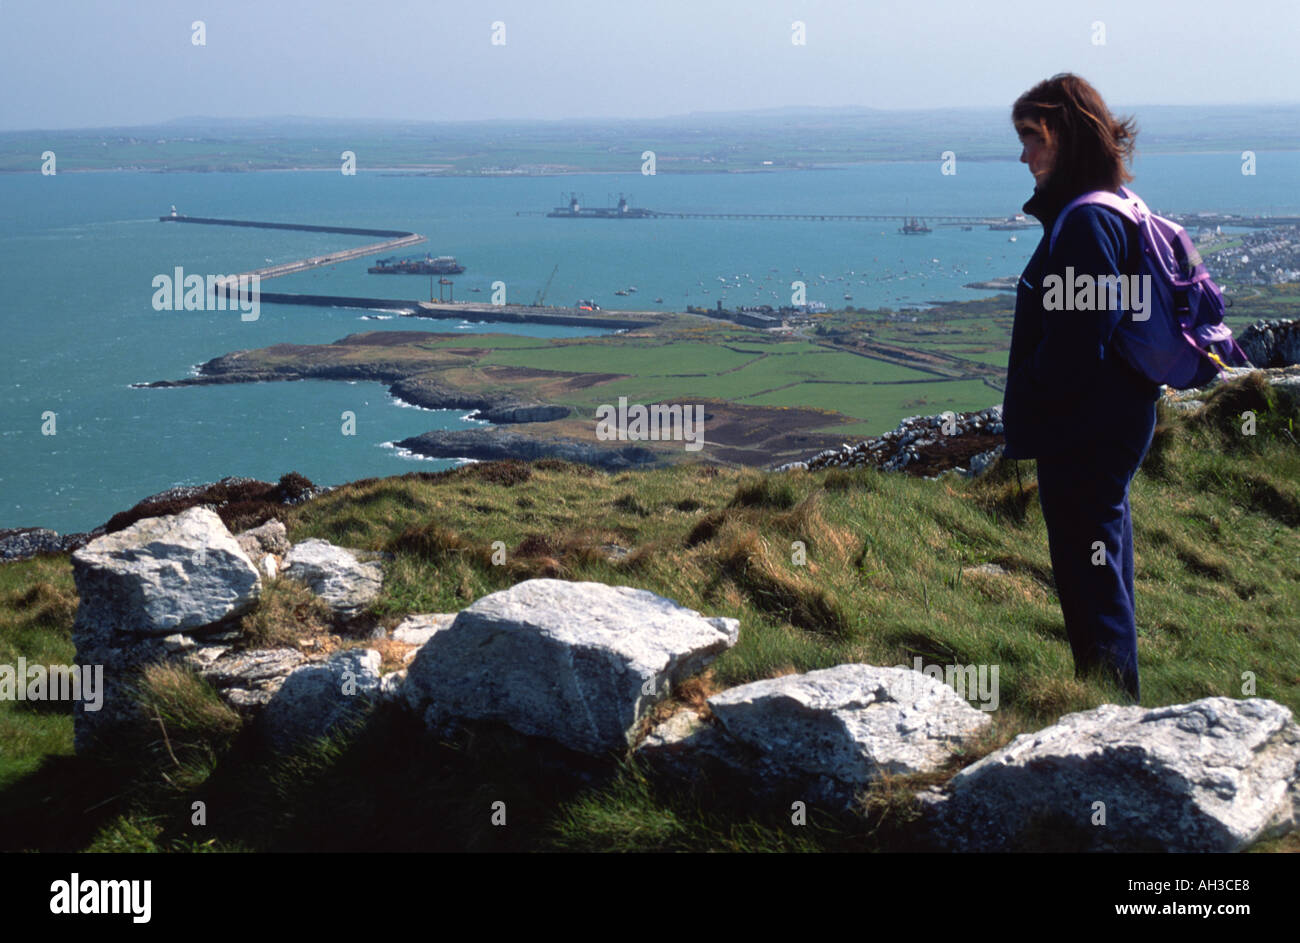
(575,210)
(415,265)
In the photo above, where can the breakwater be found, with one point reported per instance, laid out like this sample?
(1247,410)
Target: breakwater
(529,314)
(393,239)
(518,314)
(422,309)
(300,227)
(339,301)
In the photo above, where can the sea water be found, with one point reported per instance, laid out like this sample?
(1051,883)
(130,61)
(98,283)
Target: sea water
(80,251)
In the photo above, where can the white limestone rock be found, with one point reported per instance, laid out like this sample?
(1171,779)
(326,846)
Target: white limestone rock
(416,630)
(338,575)
(1218,774)
(576,662)
(164,575)
(851,722)
(316,698)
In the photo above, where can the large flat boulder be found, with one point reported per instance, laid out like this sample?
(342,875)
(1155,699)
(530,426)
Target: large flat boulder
(164,575)
(1218,774)
(577,662)
(825,735)
(147,592)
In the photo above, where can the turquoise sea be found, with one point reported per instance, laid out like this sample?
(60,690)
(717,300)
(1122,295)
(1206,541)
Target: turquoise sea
(78,252)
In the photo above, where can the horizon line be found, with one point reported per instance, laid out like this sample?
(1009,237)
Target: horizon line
(774,111)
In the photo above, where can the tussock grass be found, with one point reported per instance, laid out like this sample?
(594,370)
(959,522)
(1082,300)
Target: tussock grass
(286,612)
(186,726)
(821,568)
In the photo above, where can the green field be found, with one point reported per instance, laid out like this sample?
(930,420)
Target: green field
(884,405)
(869,367)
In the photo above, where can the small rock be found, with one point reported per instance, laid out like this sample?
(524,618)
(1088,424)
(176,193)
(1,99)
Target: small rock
(416,630)
(317,698)
(988,569)
(390,685)
(346,583)
(253,668)
(270,537)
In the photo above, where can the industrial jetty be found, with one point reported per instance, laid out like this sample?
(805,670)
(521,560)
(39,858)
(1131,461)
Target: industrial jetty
(536,314)
(575,210)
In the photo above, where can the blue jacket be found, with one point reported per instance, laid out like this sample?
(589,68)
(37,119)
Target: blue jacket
(1067,388)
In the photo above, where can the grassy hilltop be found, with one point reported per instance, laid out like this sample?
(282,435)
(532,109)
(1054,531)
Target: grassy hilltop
(1216,518)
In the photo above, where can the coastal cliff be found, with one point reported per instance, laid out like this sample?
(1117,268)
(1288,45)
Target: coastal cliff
(285,362)
(498,444)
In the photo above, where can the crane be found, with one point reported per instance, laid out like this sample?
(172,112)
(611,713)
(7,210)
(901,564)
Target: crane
(541,295)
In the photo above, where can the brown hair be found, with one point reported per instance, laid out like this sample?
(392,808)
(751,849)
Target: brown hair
(1092,146)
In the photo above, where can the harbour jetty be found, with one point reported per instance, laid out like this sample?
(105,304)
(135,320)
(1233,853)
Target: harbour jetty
(911,224)
(392,239)
(534,314)
(462,311)
(299,227)
(396,238)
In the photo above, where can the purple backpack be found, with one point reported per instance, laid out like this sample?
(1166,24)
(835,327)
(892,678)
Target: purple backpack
(1183,343)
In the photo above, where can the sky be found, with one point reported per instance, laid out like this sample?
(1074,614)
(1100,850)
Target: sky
(98,63)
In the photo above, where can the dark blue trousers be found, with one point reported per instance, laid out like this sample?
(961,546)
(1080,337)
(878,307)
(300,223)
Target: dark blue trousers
(1084,497)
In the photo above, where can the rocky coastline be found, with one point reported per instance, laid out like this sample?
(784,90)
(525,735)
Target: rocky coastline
(924,446)
(495,444)
(235,500)
(418,390)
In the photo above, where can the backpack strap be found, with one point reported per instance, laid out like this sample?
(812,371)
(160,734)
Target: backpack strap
(1129,205)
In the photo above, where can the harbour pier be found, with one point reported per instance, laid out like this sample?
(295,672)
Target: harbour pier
(393,239)
(468,311)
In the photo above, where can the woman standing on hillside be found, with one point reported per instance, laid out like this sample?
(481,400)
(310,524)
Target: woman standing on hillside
(1071,402)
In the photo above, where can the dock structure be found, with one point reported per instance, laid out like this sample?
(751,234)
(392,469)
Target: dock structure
(833,217)
(817,217)
(393,239)
(467,311)
(535,314)
(299,227)
(992,222)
